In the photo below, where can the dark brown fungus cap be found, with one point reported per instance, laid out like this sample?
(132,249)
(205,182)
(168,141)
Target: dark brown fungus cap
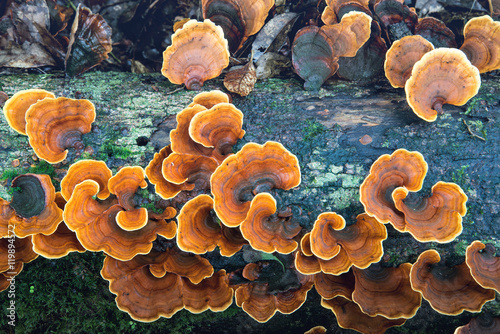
(449,289)
(312,57)
(386,291)
(90,42)
(350,316)
(396,18)
(436,32)
(239,19)
(368,63)
(35,206)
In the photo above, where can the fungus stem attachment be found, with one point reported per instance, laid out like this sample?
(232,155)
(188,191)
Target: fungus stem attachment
(438,106)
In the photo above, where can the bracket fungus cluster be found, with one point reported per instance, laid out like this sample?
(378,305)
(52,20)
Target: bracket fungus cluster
(384,196)
(426,62)
(336,293)
(205,134)
(328,44)
(115,225)
(333,248)
(147,294)
(230,204)
(199,52)
(51,124)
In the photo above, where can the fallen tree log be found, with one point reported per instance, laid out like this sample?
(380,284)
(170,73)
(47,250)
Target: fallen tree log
(336,135)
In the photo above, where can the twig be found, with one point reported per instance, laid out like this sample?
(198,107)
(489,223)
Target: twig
(470,131)
(72,5)
(175,90)
(471,7)
(118,60)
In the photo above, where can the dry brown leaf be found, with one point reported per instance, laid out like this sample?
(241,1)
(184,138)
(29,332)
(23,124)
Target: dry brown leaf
(241,79)
(26,41)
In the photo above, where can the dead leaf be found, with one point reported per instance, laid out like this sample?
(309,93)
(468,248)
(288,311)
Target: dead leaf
(27,41)
(271,64)
(137,67)
(241,79)
(274,34)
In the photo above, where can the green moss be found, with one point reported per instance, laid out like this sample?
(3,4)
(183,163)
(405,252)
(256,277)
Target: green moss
(12,190)
(111,150)
(313,129)
(150,206)
(43,167)
(460,176)
(9,174)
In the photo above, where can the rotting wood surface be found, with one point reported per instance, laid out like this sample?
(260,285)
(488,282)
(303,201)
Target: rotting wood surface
(323,129)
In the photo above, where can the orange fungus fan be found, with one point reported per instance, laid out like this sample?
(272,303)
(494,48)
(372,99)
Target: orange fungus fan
(198,53)
(484,265)
(441,76)
(449,289)
(15,108)
(53,125)
(401,168)
(254,169)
